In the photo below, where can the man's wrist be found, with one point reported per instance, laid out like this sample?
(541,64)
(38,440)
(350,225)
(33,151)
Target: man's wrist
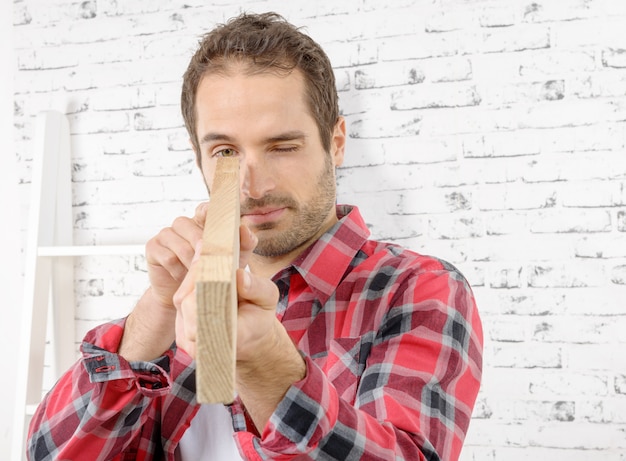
(149,330)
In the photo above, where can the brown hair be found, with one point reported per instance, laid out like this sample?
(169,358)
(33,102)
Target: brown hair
(265,42)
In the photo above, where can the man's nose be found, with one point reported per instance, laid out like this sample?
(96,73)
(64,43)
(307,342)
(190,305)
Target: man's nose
(257,176)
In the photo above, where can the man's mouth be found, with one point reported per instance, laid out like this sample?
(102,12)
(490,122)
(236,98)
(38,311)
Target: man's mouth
(260,216)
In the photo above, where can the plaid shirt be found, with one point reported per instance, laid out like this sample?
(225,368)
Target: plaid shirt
(393,346)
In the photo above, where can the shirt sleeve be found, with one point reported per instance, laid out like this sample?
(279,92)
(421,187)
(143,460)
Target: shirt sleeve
(414,395)
(104,407)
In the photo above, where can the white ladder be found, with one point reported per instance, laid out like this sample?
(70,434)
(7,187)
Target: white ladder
(49,271)
(45,280)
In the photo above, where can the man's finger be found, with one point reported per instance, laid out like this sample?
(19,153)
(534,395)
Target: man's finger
(256,290)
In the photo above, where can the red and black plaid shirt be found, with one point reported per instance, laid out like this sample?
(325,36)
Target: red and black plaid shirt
(393,346)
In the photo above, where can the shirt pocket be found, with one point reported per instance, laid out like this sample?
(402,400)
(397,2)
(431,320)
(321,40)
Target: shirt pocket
(343,366)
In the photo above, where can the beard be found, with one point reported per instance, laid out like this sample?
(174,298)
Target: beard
(308,217)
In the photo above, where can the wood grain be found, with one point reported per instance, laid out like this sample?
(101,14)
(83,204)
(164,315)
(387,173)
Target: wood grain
(216,289)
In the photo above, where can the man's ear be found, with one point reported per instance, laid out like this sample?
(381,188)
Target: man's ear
(338,142)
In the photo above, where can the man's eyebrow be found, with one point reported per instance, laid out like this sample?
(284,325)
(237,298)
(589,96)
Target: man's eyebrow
(286,136)
(210,137)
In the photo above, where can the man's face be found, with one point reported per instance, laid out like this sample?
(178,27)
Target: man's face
(288,187)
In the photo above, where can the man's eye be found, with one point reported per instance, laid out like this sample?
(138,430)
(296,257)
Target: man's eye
(228,152)
(287,149)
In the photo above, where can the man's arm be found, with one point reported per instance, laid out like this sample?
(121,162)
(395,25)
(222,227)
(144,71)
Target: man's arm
(108,400)
(412,400)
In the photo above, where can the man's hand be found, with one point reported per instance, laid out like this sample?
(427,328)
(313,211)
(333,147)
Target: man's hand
(268,362)
(149,329)
(169,255)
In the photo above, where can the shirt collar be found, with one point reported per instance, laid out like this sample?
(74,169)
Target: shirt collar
(324,263)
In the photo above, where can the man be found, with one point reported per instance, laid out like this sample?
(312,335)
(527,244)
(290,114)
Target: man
(347,348)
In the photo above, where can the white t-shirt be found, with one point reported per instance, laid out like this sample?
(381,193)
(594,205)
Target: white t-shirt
(209,437)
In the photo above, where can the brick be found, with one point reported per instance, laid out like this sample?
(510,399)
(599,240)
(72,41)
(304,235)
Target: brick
(505,223)
(418,150)
(452,69)
(368,179)
(467,120)
(446,19)
(21,14)
(532,410)
(618,274)
(505,39)
(573,274)
(349,54)
(614,58)
(513,383)
(374,5)
(98,122)
(610,82)
(605,246)
(605,301)
(388,74)
(606,411)
(561,166)
(524,453)
(516,355)
(356,103)
(501,144)
(596,137)
(530,302)
(594,194)
(438,95)
(342,82)
(579,330)
(496,68)
(503,93)
(156,118)
(162,164)
(543,64)
(116,192)
(456,227)
(178,141)
(96,169)
(122,98)
(45,58)
(117,8)
(621,221)
(364,152)
(587,435)
(575,220)
(568,10)
(590,32)
(398,227)
(497,16)
(419,46)
(391,125)
(516,197)
(508,328)
(337,26)
(565,384)
(429,200)
(597,357)
(505,276)
(571,113)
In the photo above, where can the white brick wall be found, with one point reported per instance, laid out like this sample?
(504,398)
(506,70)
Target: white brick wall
(489,133)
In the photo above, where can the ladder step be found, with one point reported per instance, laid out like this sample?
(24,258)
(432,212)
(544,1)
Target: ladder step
(90,250)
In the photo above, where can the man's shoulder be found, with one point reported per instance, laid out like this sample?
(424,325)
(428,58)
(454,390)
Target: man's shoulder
(381,253)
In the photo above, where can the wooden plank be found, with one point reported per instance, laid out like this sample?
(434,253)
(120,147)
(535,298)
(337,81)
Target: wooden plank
(216,289)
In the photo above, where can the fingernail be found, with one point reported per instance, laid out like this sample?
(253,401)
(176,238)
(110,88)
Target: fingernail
(197,252)
(247,281)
